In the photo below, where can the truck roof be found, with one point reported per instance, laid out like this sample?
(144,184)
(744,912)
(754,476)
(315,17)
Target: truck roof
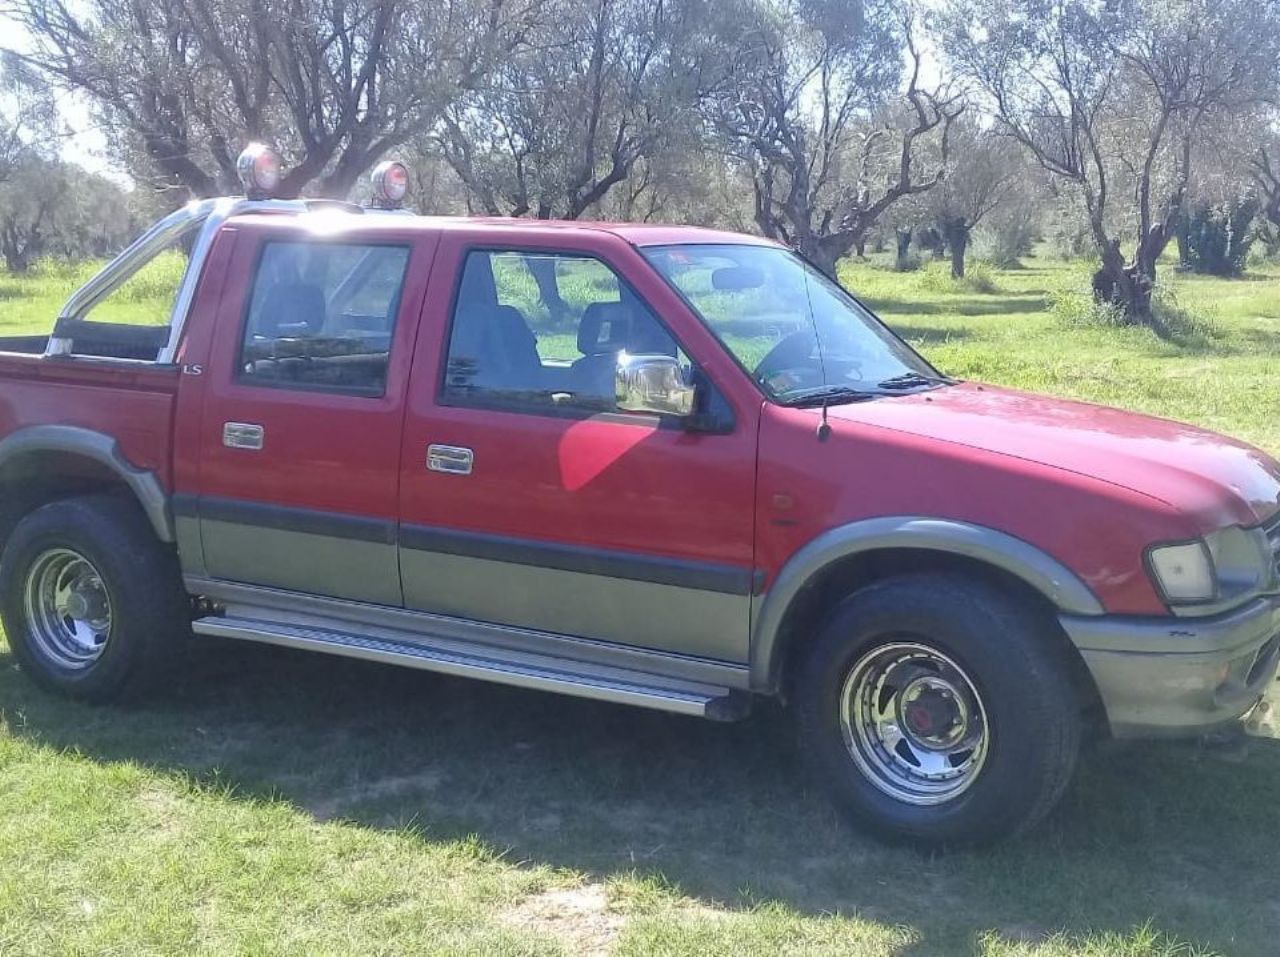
(637,234)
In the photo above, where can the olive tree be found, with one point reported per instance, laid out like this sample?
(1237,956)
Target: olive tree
(1112,98)
(179,85)
(982,170)
(1220,220)
(29,121)
(687,184)
(1266,177)
(596,88)
(52,208)
(819,112)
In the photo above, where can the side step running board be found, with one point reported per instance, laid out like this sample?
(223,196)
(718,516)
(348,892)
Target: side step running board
(491,663)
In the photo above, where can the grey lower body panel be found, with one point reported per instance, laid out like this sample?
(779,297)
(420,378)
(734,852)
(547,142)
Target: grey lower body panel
(650,614)
(327,553)
(692,608)
(1179,676)
(514,656)
(303,561)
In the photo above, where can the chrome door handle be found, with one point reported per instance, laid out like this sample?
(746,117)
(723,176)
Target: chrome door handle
(453,459)
(243,435)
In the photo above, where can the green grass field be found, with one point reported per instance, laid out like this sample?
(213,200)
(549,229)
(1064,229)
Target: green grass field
(277,803)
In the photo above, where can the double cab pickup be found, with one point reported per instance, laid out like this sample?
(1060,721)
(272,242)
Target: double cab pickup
(660,466)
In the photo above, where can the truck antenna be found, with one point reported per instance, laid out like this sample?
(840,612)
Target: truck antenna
(824,427)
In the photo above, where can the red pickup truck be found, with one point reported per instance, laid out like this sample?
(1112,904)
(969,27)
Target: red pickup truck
(660,466)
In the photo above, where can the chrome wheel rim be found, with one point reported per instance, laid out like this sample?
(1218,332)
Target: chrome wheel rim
(914,723)
(68,608)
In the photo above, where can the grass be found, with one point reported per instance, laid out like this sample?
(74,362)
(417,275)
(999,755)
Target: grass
(276,803)
(1218,370)
(29,302)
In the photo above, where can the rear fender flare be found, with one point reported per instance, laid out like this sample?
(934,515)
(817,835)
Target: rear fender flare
(1044,573)
(101,448)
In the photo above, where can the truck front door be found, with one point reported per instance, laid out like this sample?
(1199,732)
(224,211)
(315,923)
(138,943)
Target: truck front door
(528,500)
(302,411)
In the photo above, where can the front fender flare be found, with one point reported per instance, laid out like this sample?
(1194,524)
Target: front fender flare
(101,448)
(1041,571)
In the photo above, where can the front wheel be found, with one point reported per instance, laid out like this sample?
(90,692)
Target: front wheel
(939,710)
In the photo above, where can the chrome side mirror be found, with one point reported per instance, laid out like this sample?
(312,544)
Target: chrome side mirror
(653,384)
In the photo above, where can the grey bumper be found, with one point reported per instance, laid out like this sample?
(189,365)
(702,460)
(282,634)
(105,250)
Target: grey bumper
(1179,676)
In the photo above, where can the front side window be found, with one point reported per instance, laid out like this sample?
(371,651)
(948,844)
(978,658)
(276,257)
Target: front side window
(795,331)
(544,330)
(321,316)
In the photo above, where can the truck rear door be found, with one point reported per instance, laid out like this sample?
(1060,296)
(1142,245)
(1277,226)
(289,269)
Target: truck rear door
(302,410)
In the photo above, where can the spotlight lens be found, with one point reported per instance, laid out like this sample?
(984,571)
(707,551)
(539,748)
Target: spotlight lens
(390,182)
(259,169)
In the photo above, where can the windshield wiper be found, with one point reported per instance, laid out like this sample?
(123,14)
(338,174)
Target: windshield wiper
(912,380)
(827,395)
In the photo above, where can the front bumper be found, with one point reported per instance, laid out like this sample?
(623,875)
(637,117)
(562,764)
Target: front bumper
(1179,676)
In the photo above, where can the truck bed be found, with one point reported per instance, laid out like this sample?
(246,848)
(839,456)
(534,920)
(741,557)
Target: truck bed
(116,340)
(23,344)
(132,403)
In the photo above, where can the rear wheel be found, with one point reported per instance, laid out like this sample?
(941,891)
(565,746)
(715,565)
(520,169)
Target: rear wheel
(939,710)
(93,603)
(67,609)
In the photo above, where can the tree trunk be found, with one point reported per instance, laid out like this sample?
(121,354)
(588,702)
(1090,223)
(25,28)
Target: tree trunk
(955,233)
(1184,251)
(860,247)
(1128,286)
(544,274)
(16,253)
(931,240)
(825,259)
(825,252)
(903,238)
(1143,280)
(959,243)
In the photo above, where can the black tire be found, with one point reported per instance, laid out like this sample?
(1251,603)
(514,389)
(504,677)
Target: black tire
(149,608)
(1014,662)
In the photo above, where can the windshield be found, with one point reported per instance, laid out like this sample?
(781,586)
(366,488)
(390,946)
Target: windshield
(794,330)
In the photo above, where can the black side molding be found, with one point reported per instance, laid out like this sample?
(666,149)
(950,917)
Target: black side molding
(285,518)
(703,576)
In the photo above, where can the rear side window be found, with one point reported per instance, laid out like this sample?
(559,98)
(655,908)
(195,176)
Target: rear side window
(322,315)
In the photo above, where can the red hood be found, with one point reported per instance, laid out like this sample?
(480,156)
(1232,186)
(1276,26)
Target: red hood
(1216,480)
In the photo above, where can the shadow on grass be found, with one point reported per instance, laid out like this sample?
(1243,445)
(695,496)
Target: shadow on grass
(1252,341)
(930,335)
(1174,834)
(995,305)
(1248,276)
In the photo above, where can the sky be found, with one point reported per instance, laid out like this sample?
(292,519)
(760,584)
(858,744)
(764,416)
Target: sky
(85,145)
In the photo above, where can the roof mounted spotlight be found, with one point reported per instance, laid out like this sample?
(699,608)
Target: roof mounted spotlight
(390,184)
(259,171)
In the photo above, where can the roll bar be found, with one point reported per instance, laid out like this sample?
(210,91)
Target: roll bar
(203,217)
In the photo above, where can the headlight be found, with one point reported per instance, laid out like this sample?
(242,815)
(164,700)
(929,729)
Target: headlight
(1242,560)
(1228,564)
